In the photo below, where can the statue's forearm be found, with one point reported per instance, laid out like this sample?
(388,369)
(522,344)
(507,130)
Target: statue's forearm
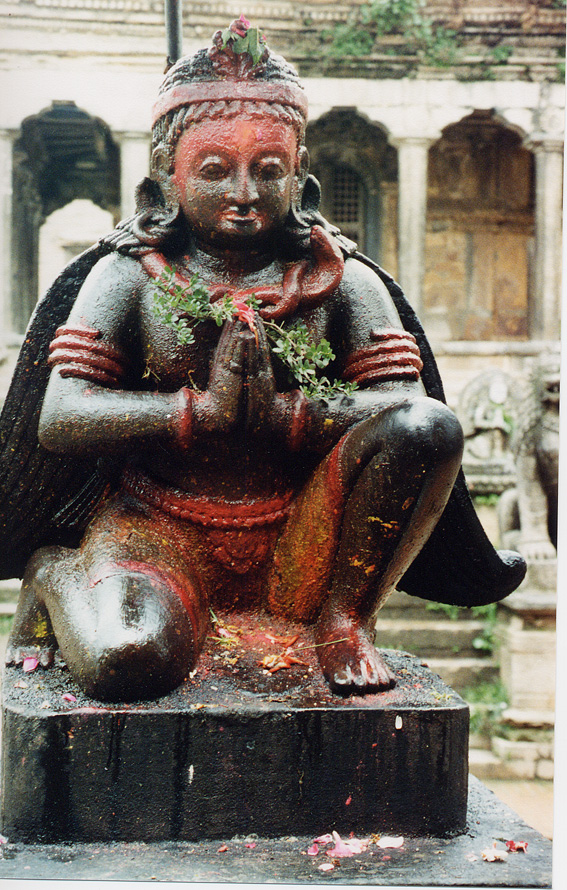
(318,425)
(84,419)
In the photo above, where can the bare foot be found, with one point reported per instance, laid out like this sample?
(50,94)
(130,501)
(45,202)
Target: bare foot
(352,665)
(32,634)
(16,655)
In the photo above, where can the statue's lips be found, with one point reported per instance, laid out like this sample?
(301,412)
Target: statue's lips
(239,218)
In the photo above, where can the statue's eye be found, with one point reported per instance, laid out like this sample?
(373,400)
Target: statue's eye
(213,171)
(270,171)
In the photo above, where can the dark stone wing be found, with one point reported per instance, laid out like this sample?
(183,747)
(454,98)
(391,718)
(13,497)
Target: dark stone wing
(44,498)
(458,564)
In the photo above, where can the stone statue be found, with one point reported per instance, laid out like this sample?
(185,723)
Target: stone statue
(156,465)
(486,409)
(528,512)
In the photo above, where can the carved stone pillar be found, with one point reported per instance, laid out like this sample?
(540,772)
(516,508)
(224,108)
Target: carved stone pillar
(412,205)
(134,165)
(6,168)
(546,293)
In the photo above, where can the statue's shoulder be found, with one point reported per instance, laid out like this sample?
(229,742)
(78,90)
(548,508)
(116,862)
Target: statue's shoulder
(365,297)
(360,277)
(120,269)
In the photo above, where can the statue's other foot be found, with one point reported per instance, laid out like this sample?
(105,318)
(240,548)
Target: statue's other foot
(32,634)
(17,655)
(352,665)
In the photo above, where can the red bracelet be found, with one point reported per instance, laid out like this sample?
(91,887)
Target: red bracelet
(298,419)
(185,429)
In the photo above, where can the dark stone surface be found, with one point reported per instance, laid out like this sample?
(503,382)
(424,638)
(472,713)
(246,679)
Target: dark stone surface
(234,750)
(453,862)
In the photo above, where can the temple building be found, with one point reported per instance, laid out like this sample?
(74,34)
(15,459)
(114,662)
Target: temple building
(436,130)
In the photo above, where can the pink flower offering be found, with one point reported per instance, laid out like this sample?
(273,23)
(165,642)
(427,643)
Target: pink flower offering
(313,849)
(517,846)
(340,849)
(324,839)
(244,313)
(68,696)
(29,664)
(326,866)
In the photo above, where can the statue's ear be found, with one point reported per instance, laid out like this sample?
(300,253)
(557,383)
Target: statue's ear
(301,176)
(149,195)
(311,197)
(161,172)
(302,166)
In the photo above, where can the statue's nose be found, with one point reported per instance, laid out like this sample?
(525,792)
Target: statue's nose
(244,190)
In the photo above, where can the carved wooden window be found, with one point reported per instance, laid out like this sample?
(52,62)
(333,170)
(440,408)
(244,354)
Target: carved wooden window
(347,204)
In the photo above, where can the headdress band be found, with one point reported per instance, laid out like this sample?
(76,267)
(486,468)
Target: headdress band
(231,90)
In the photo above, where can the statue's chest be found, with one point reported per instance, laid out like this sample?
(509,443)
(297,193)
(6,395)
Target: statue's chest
(171,362)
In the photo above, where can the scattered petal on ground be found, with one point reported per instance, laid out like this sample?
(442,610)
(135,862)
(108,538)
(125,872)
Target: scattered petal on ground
(226,634)
(250,846)
(390,842)
(68,696)
(273,663)
(313,849)
(347,848)
(286,642)
(222,849)
(493,854)
(472,857)
(348,800)
(20,684)
(30,664)
(324,839)
(326,866)
(3,840)
(517,846)
(357,845)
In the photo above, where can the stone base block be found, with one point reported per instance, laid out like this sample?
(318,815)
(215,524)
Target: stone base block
(233,751)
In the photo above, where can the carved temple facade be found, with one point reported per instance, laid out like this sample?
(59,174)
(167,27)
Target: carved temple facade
(448,175)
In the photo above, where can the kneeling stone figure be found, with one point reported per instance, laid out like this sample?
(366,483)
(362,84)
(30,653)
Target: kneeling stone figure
(157,465)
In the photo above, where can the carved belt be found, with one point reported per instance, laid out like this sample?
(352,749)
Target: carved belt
(241,532)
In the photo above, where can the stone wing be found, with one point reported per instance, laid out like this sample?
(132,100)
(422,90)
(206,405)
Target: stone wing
(458,564)
(44,498)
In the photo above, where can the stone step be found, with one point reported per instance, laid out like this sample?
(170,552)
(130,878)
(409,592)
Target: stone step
(441,638)
(462,673)
(402,605)
(487,765)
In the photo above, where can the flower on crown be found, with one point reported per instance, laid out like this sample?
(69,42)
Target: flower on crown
(239,49)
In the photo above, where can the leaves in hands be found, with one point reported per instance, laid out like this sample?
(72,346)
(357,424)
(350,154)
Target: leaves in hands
(179,307)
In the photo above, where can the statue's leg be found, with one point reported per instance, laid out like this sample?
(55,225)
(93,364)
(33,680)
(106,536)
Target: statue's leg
(399,467)
(127,610)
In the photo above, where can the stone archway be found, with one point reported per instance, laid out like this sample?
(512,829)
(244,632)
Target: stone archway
(358,172)
(63,154)
(480,224)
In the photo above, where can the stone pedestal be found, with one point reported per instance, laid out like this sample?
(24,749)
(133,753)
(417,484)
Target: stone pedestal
(528,643)
(527,669)
(235,750)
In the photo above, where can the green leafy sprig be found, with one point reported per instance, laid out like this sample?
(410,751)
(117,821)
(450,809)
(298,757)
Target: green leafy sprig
(244,39)
(181,306)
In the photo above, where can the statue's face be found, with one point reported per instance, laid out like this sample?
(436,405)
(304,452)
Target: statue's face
(235,178)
